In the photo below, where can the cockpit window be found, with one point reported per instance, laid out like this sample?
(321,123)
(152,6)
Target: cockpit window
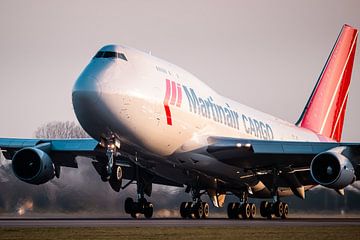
(108,54)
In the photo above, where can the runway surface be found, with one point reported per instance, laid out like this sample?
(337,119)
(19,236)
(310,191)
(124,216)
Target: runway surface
(163,222)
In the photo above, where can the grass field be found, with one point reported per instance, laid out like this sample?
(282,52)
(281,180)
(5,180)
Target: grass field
(198,233)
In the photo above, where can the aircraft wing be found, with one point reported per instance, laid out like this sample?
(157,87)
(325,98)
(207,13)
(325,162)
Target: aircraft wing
(63,152)
(260,154)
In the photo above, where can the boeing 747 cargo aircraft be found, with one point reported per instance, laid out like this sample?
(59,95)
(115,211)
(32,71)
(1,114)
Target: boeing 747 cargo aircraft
(152,122)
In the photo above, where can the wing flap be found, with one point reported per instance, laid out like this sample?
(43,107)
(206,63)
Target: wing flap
(259,154)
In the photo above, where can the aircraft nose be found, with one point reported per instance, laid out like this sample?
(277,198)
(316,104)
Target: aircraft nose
(85,97)
(86,90)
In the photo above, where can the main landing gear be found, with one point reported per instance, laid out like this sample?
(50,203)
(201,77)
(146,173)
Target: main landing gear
(278,208)
(196,209)
(242,209)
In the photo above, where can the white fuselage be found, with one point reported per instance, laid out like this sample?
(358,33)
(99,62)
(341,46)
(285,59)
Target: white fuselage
(162,108)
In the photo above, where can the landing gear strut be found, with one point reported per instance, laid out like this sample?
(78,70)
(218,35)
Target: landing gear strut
(142,206)
(196,209)
(276,207)
(110,170)
(242,209)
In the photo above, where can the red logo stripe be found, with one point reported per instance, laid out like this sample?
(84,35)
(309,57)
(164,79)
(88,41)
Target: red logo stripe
(173,93)
(166,103)
(179,99)
(168,115)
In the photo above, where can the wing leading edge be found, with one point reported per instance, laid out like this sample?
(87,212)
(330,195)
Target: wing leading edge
(262,154)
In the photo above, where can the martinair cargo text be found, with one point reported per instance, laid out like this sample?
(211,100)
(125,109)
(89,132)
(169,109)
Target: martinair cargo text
(152,122)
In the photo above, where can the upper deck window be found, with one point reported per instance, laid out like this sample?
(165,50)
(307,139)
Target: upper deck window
(108,54)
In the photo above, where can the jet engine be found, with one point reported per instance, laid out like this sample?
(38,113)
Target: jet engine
(332,169)
(32,165)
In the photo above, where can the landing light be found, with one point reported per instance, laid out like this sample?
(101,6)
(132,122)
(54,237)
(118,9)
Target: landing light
(117,143)
(111,146)
(239,145)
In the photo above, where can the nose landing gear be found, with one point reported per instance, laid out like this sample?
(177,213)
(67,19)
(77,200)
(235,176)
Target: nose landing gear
(142,206)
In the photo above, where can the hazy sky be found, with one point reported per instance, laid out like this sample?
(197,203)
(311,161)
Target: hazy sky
(266,54)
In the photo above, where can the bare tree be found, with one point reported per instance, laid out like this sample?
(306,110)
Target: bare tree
(63,130)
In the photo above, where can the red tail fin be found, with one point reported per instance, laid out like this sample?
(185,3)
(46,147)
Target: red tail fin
(325,111)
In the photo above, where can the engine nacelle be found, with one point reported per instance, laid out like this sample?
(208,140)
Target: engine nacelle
(332,169)
(33,166)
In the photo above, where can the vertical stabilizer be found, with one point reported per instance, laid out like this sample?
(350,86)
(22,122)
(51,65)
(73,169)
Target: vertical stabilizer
(325,110)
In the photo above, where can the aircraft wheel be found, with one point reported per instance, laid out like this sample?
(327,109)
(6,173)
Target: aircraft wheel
(245,210)
(264,208)
(105,178)
(134,215)
(117,173)
(184,209)
(269,210)
(129,203)
(206,210)
(252,210)
(148,210)
(278,209)
(231,210)
(198,210)
(237,211)
(285,211)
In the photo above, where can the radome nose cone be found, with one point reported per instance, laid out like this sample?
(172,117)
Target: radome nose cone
(85,96)
(86,90)
(86,83)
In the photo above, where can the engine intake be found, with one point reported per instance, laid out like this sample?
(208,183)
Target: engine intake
(33,166)
(332,169)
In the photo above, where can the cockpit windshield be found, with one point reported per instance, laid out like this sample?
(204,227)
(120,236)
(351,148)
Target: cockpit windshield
(108,54)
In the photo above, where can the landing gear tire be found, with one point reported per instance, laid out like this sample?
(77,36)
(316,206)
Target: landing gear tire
(184,210)
(129,202)
(278,209)
(148,210)
(231,210)
(196,210)
(104,178)
(206,210)
(269,211)
(285,211)
(140,207)
(266,209)
(252,210)
(116,173)
(245,211)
